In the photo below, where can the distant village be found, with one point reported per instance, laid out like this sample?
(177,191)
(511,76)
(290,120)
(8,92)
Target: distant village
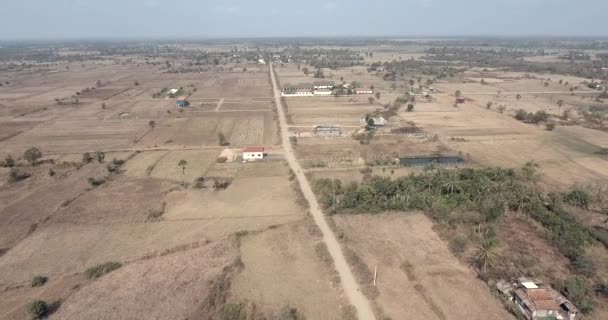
(322,88)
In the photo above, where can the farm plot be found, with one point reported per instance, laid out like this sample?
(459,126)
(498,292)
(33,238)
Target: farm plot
(143,163)
(413,262)
(198,164)
(169,287)
(232,85)
(239,129)
(237,106)
(23,211)
(238,201)
(123,200)
(248,131)
(77,136)
(148,109)
(273,257)
(45,251)
(315,111)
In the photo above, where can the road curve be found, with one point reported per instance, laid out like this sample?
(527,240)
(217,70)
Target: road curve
(349,284)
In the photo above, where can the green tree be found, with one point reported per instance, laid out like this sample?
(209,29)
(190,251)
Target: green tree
(100,157)
(86,157)
(305,70)
(371,100)
(410,107)
(377,95)
(550,126)
(183,164)
(152,124)
(486,256)
(32,155)
(518,97)
(9,162)
(221,138)
(458,93)
(489,105)
(38,309)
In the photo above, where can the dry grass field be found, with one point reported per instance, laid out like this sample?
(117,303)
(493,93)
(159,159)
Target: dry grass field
(416,273)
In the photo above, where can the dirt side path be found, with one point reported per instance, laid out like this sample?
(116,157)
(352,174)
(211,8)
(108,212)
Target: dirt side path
(349,284)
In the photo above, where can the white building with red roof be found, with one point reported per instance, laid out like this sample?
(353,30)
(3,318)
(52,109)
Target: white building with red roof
(253,153)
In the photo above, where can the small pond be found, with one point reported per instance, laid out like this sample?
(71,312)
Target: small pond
(426,160)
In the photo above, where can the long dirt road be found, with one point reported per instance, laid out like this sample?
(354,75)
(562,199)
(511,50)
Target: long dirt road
(349,284)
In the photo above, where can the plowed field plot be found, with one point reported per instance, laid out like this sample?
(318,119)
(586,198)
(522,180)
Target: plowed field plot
(123,200)
(236,202)
(143,163)
(202,130)
(198,164)
(341,111)
(233,106)
(77,135)
(232,85)
(147,109)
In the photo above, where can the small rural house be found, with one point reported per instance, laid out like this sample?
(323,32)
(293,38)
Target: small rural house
(253,153)
(298,90)
(324,85)
(364,91)
(377,121)
(538,302)
(323,92)
(327,130)
(181,102)
(461,100)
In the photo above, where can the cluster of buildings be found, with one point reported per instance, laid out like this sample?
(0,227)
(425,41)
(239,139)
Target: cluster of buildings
(320,88)
(536,301)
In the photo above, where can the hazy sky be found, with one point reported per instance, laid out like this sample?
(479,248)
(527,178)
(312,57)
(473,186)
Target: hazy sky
(43,19)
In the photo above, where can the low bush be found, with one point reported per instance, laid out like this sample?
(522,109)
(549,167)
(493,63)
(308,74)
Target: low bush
(39,309)
(16,175)
(39,281)
(102,269)
(96,182)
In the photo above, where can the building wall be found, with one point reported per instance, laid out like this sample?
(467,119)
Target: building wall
(252,155)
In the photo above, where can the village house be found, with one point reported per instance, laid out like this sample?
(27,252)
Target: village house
(253,153)
(364,91)
(324,85)
(537,302)
(323,92)
(327,130)
(181,102)
(377,121)
(298,90)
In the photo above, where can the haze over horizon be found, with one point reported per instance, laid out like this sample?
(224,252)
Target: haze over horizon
(59,19)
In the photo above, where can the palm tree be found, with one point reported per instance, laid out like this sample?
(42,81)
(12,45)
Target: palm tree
(182,164)
(486,253)
(100,156)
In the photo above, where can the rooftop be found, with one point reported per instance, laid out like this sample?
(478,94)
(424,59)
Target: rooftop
(181,98)
(253,149)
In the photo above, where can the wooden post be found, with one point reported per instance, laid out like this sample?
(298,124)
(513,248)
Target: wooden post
(375,273)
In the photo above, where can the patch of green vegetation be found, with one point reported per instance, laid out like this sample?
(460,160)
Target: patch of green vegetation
(38,309)
(39,281)
(102,269)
